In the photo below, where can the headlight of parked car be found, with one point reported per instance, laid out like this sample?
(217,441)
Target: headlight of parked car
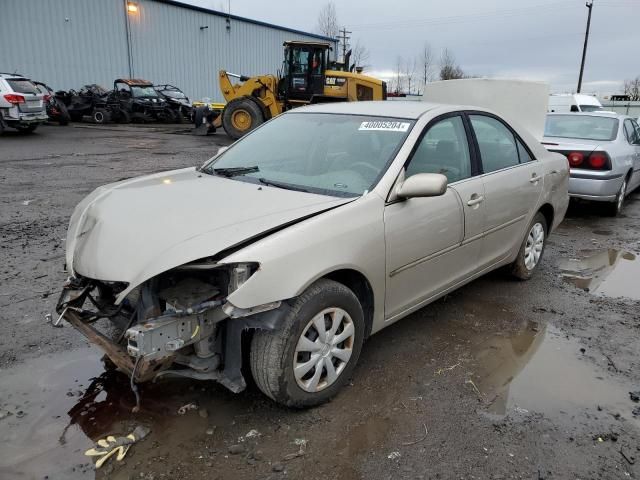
(239,274)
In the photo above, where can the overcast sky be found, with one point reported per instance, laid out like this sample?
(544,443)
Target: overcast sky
(529,39)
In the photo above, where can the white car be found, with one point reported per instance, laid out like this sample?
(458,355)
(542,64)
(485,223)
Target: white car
(314,231)
(22,105)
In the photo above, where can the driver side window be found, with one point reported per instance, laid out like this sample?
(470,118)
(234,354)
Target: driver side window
(443,149)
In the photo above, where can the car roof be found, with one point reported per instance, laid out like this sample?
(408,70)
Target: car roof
(398,109)
(591,114)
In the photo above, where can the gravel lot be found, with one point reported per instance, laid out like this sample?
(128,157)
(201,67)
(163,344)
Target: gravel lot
(499,380)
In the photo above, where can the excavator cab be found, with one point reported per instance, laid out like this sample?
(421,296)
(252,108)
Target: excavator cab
(303,72)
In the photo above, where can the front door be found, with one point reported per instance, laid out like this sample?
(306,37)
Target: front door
(427,247)
(513,184)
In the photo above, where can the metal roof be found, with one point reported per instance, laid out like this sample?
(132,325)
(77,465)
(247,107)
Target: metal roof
(244,19)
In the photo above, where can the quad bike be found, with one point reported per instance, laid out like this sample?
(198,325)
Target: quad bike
(137,99)
(92,101)
(177,101)
(56,109)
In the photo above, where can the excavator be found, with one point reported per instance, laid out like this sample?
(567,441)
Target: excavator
(307,76)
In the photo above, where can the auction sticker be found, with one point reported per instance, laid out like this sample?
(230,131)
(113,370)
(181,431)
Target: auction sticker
(386,126)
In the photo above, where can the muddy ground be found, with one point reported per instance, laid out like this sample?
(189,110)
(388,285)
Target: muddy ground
(499,380)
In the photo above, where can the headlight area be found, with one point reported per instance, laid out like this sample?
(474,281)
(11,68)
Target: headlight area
(177,323)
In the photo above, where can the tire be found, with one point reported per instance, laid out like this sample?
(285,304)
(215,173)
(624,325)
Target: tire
(273,353)
(76,116)
(240,116)
(64,118)
(200,115)
(27,129)
(526,261)
(614,209)
(101,116)
(123,116)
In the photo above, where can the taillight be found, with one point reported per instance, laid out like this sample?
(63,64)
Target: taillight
(598,160)
(575,158)
(14,99)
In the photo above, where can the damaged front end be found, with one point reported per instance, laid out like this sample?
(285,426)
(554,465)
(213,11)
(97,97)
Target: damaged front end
(177,323)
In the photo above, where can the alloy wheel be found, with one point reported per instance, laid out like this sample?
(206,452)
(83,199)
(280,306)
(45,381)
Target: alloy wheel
(534,246)
(323,349)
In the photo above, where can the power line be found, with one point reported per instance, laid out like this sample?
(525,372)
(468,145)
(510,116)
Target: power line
(344,39)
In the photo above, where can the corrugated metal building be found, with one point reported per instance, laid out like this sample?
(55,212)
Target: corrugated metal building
(70,43)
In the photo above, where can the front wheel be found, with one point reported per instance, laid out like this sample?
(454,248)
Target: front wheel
(240,116)
(531,249)
(309,358)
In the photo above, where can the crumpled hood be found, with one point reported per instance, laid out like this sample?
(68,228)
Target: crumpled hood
(133,230)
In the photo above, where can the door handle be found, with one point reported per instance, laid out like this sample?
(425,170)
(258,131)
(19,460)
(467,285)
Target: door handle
(534,178)
(475,200)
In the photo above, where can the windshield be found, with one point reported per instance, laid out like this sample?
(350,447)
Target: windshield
(137,91)
(329,154)
(22,85)
(590,108)
(586,127)
(174,94)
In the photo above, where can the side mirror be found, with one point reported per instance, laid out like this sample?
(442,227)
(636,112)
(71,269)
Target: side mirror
(423,185)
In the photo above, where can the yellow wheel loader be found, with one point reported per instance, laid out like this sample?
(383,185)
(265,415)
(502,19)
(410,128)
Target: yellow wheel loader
(307,76)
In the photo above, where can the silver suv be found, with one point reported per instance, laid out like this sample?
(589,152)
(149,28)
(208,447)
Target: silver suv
(22,106)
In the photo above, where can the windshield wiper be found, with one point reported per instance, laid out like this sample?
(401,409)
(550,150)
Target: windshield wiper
(233,171)
(286,186)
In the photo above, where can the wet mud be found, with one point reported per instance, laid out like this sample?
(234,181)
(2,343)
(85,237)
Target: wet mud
(500,379)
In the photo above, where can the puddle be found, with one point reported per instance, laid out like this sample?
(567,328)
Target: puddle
(68,401)
(543,371)
(610,273)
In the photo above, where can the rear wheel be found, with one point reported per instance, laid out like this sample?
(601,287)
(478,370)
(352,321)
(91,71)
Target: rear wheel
(240,116)
(100,115)
(306,361)
(614,209)
(531,249)
(27,128)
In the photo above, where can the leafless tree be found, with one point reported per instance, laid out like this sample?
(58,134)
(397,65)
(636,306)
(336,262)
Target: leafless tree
(409,72)
(328,21)
(398,80)
(360,56)
(632,88)
(449,69)
(426,64)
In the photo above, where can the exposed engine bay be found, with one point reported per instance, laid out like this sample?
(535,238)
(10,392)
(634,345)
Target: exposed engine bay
(177,323)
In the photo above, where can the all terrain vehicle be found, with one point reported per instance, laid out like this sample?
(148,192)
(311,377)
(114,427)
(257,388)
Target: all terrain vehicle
(177,101)
(138,101)
(92,101)
(56,109)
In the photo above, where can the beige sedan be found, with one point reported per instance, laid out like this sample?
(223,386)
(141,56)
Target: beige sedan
(315,231)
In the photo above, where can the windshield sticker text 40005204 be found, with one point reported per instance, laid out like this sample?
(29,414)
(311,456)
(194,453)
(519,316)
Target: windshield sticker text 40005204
(386,126)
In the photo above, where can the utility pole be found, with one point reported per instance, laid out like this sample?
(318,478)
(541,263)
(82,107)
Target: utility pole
(344,38)
(589,5)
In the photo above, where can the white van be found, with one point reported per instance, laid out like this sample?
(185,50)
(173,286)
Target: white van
(576,102)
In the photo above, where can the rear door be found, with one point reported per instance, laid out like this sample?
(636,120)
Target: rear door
(427,251)
(513,184)
(632,132)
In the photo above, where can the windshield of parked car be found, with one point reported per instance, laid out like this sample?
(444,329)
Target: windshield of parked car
(329,154)
(137,91)
(585,127)
(22,85)
(590,108)
(174,94)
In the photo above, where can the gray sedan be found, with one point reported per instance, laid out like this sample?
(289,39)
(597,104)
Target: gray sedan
(603,150)
(313,232)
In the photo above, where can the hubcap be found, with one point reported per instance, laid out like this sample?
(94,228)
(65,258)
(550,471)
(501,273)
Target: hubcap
(241,120)
(533,247)
(323,350)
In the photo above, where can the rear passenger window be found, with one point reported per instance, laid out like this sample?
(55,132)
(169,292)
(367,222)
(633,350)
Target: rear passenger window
(497,144)
(443,149)
(523,153)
